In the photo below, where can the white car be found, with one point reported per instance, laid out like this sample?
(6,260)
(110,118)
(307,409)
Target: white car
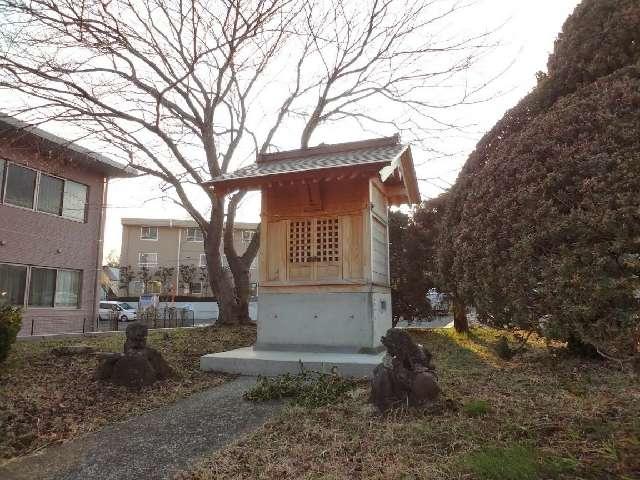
(123,311)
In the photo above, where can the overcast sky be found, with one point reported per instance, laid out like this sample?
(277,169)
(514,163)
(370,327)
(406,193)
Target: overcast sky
(527,35)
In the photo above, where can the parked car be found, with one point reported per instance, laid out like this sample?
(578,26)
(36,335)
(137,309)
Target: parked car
(122,310)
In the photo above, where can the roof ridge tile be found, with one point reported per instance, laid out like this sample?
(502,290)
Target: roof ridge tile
(332,148)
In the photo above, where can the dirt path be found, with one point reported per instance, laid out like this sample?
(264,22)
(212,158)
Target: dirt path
(152,446)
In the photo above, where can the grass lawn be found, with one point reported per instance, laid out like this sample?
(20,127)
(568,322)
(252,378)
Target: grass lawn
(46,399)
(541,415)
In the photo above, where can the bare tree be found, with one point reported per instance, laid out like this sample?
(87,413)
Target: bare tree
(145,275)
(113,259)
(166,274)
(187,274)
(204,277)
(127,275)
(187,90)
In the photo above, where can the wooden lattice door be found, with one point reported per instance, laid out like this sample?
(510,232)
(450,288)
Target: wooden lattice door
(314,249)
(327,248)
(300,250)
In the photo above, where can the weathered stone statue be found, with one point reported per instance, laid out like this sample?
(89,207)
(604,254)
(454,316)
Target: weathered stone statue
(405,376)
(138,366)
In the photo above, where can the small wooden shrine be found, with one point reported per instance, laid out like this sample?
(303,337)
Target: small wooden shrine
(324,249)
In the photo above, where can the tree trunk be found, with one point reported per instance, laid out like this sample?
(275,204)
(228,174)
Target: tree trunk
(240,265)
(220,281)
(460,321)
(222,287)
(240,269)
(243,292)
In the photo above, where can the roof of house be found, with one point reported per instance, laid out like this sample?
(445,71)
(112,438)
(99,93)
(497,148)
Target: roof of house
(383,155)
(83,155)
(178,223)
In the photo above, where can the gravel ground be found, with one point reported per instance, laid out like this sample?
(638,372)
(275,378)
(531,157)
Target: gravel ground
(152,446)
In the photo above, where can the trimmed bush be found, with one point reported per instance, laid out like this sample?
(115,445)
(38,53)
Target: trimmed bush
(600,37)
(542,230)
(10,323)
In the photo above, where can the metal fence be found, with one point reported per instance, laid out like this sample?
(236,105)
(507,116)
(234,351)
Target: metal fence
(51,325)
(166,317)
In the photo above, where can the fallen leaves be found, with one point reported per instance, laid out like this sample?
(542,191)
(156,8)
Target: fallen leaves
(46,399)
(590,436)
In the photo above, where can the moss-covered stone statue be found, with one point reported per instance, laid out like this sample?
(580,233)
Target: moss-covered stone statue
(405,376)
(138,366)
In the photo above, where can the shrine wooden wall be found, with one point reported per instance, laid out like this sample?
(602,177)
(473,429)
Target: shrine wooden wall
(379,235)
(324,233)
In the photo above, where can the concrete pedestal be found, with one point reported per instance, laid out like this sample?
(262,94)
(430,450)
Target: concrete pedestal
(340,322)
(322,330)
(249,361)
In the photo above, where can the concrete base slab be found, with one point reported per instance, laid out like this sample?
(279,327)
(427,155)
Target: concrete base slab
(247,361)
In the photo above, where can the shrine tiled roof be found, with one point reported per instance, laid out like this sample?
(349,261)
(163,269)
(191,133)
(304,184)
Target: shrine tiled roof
(379,151)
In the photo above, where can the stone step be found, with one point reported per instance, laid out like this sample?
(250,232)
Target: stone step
(247,361)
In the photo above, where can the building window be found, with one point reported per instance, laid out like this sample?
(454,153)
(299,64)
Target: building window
(147,259)
(247,235)
(46,287)
(154,287)
(203,260)
(195,288)
(13,284)
(194,234)
(148,233)
(21,186)
(137,287)
(68,288)
(50,194)
(27,188)
(2,167)
(42,287)
(75,201)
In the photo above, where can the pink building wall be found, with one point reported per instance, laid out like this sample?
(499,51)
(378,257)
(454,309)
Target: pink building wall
(34,238)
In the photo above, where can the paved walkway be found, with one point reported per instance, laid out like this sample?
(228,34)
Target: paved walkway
(442,321)
(152,446)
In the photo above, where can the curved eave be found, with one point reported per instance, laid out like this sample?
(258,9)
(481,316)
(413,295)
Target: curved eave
(409,177)
(403,163)
(224,186)
(401,168)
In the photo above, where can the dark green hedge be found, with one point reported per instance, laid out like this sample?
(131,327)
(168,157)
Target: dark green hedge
(542,228)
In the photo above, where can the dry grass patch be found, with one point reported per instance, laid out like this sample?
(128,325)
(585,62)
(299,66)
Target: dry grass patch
(548,416)
(46,399)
